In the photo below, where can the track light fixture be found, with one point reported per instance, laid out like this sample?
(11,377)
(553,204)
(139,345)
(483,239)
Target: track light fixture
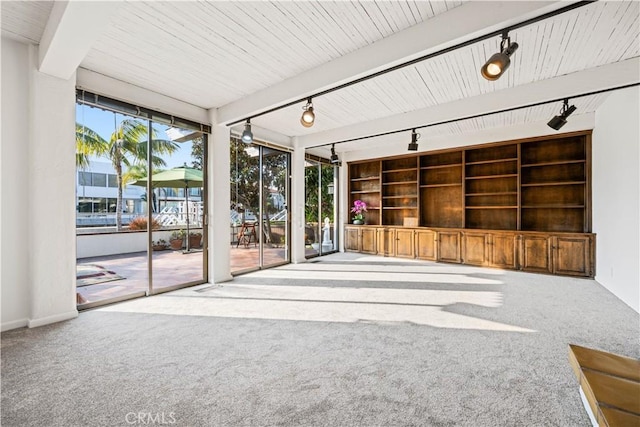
(558,121)
(247,135)
(308,116)
(334,156)
(499,62)
(413,145)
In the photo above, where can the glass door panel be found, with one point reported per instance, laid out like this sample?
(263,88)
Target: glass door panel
(177,180)
(245,206)
(111,219)
(321,235)
(275,213)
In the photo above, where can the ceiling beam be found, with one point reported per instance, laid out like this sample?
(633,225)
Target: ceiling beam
(71,30)
(462,23)
(603,77)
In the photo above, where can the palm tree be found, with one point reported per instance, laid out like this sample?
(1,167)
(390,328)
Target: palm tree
(127,146)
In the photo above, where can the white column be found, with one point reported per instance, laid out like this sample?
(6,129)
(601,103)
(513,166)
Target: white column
(297,203)
(14,273)
(49,196)
(218,173)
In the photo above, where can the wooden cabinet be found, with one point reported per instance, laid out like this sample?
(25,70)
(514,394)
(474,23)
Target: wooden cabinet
(475,247)
(567,254)
(535,254)
(360,239)
(368,241)
(503,250)
(386,241)
(404,243)
(449,246)
(426,244)
(352,239)
(572,256)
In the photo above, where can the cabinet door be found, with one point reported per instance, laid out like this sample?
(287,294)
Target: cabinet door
(449,246)
(475,247)
(536,254)
(572,256)
(404,243)
(426,247)
(368,241)
(386,240)
(502,251)
(352,239)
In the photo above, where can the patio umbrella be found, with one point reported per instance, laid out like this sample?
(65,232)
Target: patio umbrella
(180,177)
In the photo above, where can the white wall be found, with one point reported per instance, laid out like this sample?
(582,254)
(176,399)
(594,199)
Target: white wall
(38,192)
(14,277)
(616,194)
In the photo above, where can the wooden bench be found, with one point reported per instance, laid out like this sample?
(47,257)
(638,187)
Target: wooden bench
(610,384)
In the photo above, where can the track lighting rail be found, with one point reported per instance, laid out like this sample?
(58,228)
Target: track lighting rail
(423,58)
(475,116)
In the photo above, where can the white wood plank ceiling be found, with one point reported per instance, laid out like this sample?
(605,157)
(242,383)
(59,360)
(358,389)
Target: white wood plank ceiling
(210,54)
(24,21)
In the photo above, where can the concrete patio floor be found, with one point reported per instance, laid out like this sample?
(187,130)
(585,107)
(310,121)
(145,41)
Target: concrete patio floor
(170,268)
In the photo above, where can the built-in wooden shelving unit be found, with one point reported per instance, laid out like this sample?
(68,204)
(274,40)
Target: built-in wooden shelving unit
(539,184)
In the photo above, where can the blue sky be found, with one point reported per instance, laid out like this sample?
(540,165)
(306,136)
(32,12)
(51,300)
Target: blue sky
(102,122)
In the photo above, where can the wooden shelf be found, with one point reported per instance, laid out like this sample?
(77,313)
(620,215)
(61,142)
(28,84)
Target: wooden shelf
(441,185)
(484,162)
(559,162)
(553,206)
(452,165)
(401,197)
(538,184)
(491,207)
(546,184)
(399,170)
(505,193)
(399,207)
(400,183)
(369,178)
(510,175)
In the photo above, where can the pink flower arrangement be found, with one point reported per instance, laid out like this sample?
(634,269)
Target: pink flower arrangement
(358,208)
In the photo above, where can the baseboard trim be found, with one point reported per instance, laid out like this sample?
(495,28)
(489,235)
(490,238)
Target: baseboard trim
(14,324)
(34,323)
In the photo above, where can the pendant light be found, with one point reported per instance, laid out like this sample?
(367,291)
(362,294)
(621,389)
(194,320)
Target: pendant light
(247,135)
(558,121)
(499,62)
(308,116)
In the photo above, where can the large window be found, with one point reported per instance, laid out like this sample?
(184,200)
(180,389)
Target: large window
(141,201)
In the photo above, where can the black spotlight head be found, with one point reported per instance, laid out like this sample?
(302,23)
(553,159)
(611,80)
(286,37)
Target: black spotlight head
(334,157)
(499,62)
(558,121)
(413,145)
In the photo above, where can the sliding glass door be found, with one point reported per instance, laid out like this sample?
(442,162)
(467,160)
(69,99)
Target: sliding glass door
(140,184)
(259,210)
(321,235)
